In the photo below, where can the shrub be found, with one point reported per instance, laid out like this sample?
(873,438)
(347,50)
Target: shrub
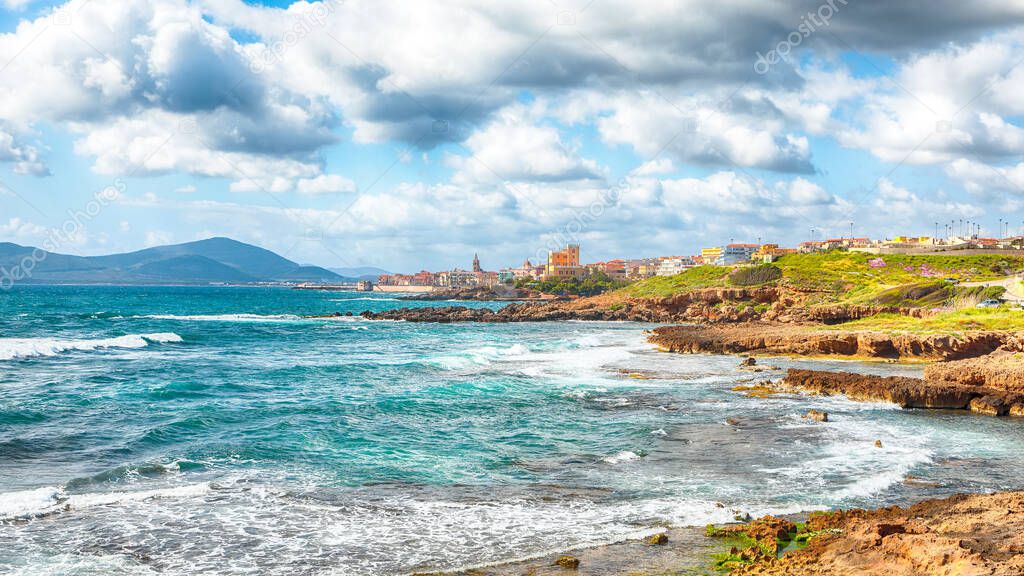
(754,275)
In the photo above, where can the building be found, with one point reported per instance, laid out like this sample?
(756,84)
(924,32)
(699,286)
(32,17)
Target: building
(564,264)
(711,255)
(769,253)
(614,269)
(476,264)
(673,265)
(737,253)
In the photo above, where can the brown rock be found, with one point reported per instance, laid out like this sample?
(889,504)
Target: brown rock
(1016,409)
(568,562)
(907,392)
(816,415)
(878,443)
(748,361)
(965,535)
(659,539)
(991,405)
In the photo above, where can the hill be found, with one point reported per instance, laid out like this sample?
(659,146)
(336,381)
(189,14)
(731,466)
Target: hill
(849,278)
(215,260)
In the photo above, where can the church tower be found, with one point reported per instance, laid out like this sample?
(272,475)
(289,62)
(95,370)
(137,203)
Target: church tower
(476,264)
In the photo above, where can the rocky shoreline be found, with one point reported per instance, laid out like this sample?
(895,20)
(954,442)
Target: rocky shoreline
(961,535)
(969,535)
(804,340)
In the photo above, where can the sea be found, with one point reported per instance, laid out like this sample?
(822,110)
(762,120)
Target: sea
(222,430)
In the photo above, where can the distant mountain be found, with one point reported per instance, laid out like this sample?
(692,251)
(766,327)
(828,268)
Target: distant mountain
(360,272)
(214,260)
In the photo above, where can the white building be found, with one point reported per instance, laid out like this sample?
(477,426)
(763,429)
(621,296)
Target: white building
(673,266)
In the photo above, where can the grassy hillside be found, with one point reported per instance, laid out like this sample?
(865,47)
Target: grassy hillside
(953,322)
(853,277)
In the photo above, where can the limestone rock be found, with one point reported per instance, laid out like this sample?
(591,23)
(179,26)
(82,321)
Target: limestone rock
(659,539)
(816,415)
(568,562)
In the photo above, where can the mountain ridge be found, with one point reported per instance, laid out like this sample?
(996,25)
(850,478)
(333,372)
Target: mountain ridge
(214,260)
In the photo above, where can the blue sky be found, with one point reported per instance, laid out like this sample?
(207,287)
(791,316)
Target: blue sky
(411,136)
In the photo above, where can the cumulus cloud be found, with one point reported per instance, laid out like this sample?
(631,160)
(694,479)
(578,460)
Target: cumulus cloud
(326,184)
(126,76)
(514,146)
(24,159)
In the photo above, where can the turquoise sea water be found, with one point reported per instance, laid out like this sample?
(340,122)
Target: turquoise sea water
(217,431)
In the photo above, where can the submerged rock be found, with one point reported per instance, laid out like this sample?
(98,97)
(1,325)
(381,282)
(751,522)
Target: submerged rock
(816,415)
(568,562)
(659,539)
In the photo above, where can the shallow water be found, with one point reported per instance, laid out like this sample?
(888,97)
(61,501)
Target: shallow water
(216,431)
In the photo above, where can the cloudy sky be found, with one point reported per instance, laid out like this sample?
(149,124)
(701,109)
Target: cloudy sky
(413,134)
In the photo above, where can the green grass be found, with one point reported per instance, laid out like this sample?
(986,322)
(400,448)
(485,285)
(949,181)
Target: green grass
(692,279)
(849,277)
(952,322)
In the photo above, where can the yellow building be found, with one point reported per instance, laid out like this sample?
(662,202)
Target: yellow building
(564,263)
(711,255)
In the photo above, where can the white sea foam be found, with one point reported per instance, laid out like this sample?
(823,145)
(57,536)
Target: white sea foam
(51,499)
(226,317)
(29,503)
(624,456)
(12,348)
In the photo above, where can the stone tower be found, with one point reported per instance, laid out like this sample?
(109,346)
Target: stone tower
(476,264)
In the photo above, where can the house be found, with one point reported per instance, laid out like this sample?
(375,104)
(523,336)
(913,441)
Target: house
(711,255)
(737,253)
(672,265)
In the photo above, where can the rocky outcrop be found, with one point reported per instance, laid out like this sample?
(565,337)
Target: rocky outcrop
(480,293)
(903,391)
(963,535)
(710,305)
(1003,369)
(906,392)
(510,313)
(785,339)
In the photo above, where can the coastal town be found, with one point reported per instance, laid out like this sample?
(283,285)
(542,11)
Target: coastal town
(566,264)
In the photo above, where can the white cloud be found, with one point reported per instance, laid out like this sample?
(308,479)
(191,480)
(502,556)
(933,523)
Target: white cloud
(24,159)
(157,238)
(981,179)
(21,230)
(186,189)
(514,147)
(326,184)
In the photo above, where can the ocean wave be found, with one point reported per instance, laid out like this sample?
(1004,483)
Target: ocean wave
(13,348)
(225,317)
(39,502)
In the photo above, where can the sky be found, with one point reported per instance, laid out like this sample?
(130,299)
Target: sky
(411,135)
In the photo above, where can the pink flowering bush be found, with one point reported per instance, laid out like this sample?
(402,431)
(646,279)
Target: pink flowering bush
(876,263)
